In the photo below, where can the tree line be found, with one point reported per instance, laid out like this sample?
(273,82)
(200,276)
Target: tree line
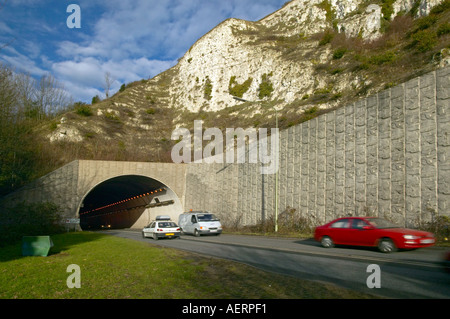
(25,103)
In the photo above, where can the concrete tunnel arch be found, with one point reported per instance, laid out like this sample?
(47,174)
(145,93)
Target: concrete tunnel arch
(127,201)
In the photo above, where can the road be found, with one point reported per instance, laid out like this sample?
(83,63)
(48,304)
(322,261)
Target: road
(404,274)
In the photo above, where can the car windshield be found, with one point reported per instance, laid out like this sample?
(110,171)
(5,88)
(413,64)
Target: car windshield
(166,224)
(206,217)
(381,223)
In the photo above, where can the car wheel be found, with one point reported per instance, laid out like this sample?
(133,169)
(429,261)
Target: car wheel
(143,234)
(386,245)
(196,233)
(327,242)
(155,237)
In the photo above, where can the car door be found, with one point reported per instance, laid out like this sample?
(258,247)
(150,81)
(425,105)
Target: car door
(360,233)
(339,231)
(151,229)
(146,230)
(191,224)
(186,224)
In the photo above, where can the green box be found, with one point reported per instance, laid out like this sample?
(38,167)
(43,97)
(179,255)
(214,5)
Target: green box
(36,245)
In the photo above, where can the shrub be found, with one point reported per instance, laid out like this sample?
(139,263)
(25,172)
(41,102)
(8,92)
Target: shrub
(387,8)
(339,53)
(208,89)
(443,29)
(426,22)
(112,116)
(289,221)
(265,88)
(311,110)
(424,40)
(439,226)
(327,36)
(96,99)
(336,71)
(382,58)
(83,109)
(237,89)
(24,219)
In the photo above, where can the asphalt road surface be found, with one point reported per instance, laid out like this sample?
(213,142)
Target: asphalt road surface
(404,274)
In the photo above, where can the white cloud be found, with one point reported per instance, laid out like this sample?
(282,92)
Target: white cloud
(22,63)
(87,76)
(132,39)
(155,28)
(87,72)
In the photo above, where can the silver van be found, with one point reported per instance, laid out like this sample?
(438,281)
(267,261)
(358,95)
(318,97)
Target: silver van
(199,223)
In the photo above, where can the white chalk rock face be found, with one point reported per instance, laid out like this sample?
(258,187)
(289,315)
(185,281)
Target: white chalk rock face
(235,50)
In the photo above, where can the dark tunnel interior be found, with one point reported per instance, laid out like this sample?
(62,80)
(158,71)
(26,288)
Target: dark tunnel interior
(131,192)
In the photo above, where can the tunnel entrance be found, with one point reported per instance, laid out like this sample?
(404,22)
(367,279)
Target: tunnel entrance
(129,201)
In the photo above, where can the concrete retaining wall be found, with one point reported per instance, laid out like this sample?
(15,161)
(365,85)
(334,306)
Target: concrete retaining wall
(387,155)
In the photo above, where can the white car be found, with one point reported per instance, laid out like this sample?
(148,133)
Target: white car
(162,228)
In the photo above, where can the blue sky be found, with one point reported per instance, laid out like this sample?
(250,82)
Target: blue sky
(130,39)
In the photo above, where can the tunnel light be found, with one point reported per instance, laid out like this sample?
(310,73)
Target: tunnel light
(98,209)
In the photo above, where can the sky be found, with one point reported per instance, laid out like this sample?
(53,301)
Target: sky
(129,39)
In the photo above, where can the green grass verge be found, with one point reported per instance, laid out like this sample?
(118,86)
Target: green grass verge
(119,268)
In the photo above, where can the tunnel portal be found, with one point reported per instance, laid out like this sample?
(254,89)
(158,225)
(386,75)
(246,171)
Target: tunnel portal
(129,201)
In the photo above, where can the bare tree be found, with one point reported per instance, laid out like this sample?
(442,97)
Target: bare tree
(108,83)
(25,91)
(51,96)
(24,102)
(8,97)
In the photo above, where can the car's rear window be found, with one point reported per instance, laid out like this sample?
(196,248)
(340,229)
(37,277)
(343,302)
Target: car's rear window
(342,223)
(167,224)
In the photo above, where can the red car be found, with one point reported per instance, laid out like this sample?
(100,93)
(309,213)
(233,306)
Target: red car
(372,232)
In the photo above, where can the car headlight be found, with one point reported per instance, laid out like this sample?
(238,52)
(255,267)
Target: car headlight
(410,237)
